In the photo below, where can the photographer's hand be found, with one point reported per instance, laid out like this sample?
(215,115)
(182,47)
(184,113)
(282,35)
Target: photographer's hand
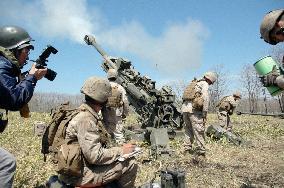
(38,73)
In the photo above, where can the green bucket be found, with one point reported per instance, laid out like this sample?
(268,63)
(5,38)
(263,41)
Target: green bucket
(265,66)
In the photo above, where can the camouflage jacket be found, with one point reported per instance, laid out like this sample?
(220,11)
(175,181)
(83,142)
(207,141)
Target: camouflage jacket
(111,115)
(86,126)
(124,109)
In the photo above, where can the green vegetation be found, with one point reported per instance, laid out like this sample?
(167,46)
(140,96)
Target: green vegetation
(260,163)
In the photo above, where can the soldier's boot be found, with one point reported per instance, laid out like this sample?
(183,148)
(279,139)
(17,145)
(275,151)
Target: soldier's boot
(188,150)
(199,157)
(54,182)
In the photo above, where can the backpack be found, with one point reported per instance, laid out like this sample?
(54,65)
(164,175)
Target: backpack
(65,154)
(189,92)
(115,100)
(224,105)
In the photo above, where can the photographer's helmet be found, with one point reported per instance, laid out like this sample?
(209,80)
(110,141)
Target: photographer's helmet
(237,94)
(268,24)
(111,73)
(212,76)
(96,88)
(12,37)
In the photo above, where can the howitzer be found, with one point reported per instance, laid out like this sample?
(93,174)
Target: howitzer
(156,108)
(280,115)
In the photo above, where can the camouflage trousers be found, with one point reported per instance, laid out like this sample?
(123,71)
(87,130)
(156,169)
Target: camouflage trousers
(116,130)
(224,120)
(94,175)
(194,131)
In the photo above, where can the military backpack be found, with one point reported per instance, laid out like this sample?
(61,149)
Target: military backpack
(224,105)
(115,100)
(65,154)
(190,93)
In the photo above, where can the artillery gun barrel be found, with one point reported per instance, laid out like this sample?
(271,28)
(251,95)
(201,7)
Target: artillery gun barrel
(90,40)
(280,115)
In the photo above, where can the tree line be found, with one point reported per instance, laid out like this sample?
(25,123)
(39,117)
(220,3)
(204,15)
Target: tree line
(255,97)
(44,102)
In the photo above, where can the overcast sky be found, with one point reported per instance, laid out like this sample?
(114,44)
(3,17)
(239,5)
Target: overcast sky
(165,39)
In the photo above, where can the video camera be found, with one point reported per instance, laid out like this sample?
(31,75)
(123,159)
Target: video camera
(42,59)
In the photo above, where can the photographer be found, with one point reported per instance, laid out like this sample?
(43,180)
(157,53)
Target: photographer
(15,92)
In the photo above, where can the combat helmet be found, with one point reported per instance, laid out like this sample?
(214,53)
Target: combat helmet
(111,73)
(237,94)
(212,76)
(268,24)
(96,88)
(14,37)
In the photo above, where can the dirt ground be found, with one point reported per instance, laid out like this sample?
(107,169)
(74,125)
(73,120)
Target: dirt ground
(260,163)
(257,163)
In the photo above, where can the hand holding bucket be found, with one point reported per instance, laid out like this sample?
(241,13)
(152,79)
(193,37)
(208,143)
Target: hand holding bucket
(265,66)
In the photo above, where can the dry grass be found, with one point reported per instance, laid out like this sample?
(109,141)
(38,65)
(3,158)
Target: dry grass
(260,164)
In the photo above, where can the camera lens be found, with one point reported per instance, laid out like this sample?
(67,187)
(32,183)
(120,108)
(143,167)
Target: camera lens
(50,75)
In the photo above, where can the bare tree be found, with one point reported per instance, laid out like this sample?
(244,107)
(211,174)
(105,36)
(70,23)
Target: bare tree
(217,90)
(178,87)
(251,83)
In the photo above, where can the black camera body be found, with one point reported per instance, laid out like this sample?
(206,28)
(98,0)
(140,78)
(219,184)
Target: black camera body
(42,59)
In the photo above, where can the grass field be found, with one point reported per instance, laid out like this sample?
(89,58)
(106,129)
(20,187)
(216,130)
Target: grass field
(258,164)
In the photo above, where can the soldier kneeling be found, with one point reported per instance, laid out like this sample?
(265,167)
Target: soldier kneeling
(86,131)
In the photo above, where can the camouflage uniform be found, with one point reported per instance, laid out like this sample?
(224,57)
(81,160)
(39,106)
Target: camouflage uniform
(113,116)
(100,161)
(271,30)
(194,121)
(223,114)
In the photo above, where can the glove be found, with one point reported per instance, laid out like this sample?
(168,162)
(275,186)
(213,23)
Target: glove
(270,79)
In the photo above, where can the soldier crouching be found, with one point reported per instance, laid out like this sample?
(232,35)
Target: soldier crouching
(225,108)
(100,164)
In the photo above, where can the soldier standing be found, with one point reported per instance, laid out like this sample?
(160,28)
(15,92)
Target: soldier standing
(15,46)
(101,164)
(116,109)
(272,32)
(194,109)
(225,108)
